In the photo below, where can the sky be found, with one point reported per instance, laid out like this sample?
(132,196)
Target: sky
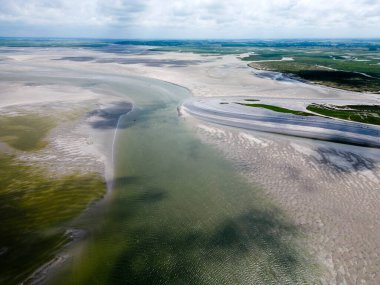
(191,19)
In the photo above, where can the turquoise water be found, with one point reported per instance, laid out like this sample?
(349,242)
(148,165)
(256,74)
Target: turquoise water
(179,213)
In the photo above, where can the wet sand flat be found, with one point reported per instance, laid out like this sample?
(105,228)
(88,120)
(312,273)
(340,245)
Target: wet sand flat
(328,193)
(330,190)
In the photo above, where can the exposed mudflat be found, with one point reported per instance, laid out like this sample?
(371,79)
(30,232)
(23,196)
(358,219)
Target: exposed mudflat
(85,124)
(227,111)
(331,191)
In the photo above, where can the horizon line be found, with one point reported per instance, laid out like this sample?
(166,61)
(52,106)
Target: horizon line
(189,39)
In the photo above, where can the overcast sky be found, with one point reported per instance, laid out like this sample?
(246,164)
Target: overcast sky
(190,18)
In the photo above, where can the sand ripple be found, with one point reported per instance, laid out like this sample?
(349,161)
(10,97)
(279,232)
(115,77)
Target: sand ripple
(331,191)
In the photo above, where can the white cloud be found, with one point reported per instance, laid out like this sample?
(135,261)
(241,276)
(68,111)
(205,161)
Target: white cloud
(192,18)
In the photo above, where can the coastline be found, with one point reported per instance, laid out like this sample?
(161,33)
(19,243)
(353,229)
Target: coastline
(79,143)
(316,183)
(227,112)
(278,75)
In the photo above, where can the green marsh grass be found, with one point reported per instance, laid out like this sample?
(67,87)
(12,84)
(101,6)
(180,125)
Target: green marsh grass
(369,114)
(278,109)
(353,69)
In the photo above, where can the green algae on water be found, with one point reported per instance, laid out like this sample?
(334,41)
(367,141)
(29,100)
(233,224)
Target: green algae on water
(34,210)
(25,132)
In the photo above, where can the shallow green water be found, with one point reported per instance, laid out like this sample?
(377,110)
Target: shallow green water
(25,132)
(179,214)
(34,212)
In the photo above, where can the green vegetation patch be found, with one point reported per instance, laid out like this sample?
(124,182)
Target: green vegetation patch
(214,49)
(355,69)
(264,56)
(33,212)
(334,78)
(278,109)
(369,114)
(25,132)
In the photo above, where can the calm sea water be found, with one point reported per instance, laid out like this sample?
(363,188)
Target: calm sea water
(179,213)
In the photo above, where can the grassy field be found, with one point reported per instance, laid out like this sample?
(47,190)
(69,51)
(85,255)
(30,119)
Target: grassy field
(278,109)
(369,114)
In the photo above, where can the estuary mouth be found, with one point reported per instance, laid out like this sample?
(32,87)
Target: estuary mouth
(173,162)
